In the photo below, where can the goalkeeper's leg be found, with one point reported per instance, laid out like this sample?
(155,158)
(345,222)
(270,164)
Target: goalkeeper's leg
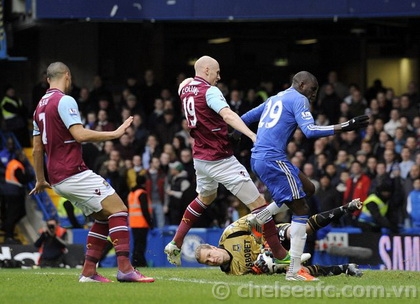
(348,269)
(322,219)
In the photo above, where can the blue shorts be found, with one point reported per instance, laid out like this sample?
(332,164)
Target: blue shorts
(281,179)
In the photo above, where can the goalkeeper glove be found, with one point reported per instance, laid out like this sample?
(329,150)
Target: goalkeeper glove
(356,123)
(260,266)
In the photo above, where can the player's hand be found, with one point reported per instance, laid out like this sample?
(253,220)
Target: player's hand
(125,125)
(356,123)
(40,187)
(235,139)
(260,266)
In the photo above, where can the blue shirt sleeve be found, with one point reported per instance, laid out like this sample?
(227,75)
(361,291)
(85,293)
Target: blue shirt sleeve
(215,99)
(306,121)
(253,115)
(69,111)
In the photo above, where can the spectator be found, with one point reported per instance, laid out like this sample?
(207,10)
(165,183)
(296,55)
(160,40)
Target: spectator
(14,116)
(237,104)
(357,186)
(320,164)
(340,89)
(332,173)
(413,93)
(52,245)
(115,156)
(90,121)
(102,122)
(115,178)
(125,147)
(380,175)
(411,144)
(309,171)
(167,129)
(187,161)
(372,91)
(99,91)
(16,177)
(103,156)
(399,140)
(155,187)
(84,102)
(408,182)
(350,142)
(361,157)
(343,160)
(375,208)
(371,167)
(137,169)
(391,163)
(330,104)
(132,85)
(156,116)
(374,111)
(407,109)
(357,104)
(149,90)
(170,150)
(328,197)
(379,147)
(141,132)
(152,148)
(140,220)
(7,153)
(406,126)
(178,184)
(413,205)
(134,106)
(165,159)
(184,132)
(178,143)
(393,123)
(406,162)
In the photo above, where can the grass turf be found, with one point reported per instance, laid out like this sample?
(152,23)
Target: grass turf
(204,285)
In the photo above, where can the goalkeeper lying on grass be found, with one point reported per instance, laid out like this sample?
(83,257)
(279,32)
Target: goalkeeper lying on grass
(241,252)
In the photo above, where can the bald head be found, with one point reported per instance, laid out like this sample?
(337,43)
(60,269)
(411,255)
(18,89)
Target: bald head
(306,84)
(304,77)
(58,76)
(207,68)
(56,70)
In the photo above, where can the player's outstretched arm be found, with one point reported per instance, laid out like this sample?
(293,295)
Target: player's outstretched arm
(233,119)
(81,134)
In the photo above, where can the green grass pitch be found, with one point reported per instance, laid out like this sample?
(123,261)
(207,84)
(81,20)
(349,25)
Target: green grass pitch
(205,285)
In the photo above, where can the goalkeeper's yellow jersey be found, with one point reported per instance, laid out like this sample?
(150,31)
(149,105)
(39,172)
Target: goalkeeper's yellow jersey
(242,246)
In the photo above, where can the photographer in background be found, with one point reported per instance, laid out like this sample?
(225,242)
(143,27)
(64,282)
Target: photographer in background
(52,245)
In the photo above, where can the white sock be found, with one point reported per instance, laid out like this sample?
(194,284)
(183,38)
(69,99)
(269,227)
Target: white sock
(272,209)
(297,242)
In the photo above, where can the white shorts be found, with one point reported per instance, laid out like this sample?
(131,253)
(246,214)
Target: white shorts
(86,190)
(230,173)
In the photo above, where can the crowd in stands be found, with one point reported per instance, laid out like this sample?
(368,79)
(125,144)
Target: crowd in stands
(342,167)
